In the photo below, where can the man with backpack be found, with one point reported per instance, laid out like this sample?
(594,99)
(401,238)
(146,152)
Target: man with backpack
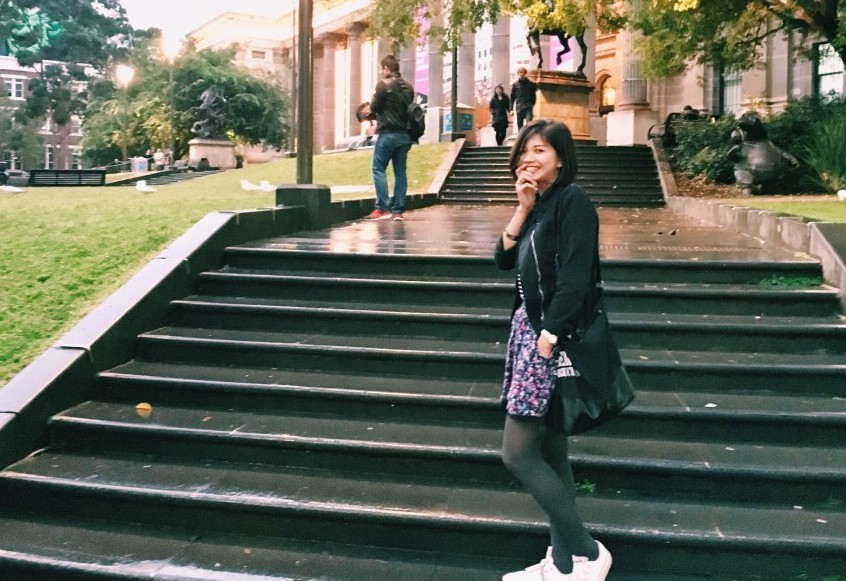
(390,105)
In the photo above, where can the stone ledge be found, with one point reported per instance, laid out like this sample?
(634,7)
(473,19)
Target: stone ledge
(825,241)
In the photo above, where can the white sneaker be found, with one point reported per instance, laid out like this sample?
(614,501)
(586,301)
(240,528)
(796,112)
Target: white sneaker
(594,570)
(545,571)
(533,573)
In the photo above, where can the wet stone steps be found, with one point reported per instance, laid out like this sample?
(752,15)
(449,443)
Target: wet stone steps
(326,405)
(611,176)
(103,550)
(417,513)
(646,330)
(442,445)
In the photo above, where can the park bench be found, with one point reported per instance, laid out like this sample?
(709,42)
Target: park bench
(67,177)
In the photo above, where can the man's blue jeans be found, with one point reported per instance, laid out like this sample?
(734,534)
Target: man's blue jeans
(524,114)
(393,148)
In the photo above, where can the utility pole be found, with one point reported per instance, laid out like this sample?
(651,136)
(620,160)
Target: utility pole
(305,103)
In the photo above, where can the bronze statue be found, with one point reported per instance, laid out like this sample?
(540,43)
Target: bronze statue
(210,123)
(758,162)
(533,41)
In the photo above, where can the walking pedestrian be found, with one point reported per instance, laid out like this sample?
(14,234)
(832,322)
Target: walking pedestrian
(523,96)
(553,242)
(500,106)
(389,106)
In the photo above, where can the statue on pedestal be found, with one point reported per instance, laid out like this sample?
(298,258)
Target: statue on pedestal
(533,41)
(210,123)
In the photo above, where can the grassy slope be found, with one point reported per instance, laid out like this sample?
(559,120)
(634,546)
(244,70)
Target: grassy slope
(66,249)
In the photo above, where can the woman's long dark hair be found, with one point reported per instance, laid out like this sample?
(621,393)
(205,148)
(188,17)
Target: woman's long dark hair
(556,135)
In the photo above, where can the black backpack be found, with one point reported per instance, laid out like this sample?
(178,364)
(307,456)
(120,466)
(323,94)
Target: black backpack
(416,120)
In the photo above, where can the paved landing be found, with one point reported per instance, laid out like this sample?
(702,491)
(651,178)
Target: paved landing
(625,233)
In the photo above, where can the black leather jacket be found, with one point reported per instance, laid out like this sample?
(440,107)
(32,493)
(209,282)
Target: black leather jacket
(557,260)
(523,94)
(389,105)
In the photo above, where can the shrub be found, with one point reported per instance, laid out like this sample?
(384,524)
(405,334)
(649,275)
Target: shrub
(825,153)
(701,150)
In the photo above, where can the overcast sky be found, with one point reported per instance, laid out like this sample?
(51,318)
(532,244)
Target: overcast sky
(179,17)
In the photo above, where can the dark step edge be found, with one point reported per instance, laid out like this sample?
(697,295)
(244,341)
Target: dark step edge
(342,313)
(300,390)
(389,283)
(381,448)
(684,467)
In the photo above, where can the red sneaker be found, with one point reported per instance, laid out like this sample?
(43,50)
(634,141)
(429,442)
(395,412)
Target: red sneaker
(378,215)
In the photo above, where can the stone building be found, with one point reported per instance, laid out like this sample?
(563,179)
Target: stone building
(623,104)
(62,144)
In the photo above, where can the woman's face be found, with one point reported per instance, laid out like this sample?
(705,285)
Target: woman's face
(539,160)
(499,90)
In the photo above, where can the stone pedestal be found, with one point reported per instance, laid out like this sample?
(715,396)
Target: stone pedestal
(563,97)
(219,152)
(630,126)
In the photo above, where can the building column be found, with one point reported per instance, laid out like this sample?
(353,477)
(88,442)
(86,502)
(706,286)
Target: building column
(324,94)
(436,90)
(467,70)
(501,54)
(354,31)
(631,119)
(407,61)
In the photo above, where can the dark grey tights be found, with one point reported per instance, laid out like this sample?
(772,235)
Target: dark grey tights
(538,458)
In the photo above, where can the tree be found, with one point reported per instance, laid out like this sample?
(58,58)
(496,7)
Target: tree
(255,109)
(18,134)
(433,20)
(68,41)
(730,33)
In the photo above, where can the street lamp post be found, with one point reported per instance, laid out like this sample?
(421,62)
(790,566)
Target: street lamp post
(124,75)
(170,48)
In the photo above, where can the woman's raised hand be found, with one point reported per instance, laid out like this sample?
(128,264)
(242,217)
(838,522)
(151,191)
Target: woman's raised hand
(527,187)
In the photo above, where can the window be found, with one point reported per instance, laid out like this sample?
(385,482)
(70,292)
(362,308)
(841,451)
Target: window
(828,71)
(49,158)
(608,94)
(730,94)
(14,88)
(76,125)
(76,158)
(258,54)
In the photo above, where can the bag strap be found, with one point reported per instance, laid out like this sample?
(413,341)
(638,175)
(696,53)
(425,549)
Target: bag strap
(597,302)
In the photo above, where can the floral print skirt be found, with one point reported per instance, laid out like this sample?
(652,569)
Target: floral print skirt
(529,385)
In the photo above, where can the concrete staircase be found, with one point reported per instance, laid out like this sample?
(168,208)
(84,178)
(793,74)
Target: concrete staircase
(612,176)
(326,406)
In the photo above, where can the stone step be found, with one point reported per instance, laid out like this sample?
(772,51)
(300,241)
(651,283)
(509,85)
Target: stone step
(418,514)
(409,319)
(264,255)
(734,412)
(721,471)
(43,547)
(438,357)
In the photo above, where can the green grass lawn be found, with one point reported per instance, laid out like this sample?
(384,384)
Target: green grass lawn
(66,249)
(827,210)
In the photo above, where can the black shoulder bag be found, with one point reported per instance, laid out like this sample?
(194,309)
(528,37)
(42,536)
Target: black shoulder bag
(603,387)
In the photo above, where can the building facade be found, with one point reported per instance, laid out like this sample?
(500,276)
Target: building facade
(623,104)
(62,144)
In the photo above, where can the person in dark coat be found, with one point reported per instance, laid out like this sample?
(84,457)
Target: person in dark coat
(523,96)
(500,106)
(552,241)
